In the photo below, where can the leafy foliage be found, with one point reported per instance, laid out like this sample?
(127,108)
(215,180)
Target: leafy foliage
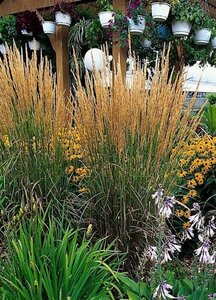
(209,118)
(8,29)
(47,262)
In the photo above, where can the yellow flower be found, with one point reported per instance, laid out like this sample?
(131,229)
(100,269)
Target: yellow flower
(186,225)
(75,178)
(83,190)
(204,170)
(82,172)
(187,214)
(192,193)
(6,141)
(190,153)
(197,162)
(200,146)
(191,183)
(200,181)
(210,146)
(69,170)
(207,165)
(182,161)
(185,199)
(179,213)
(182,174)
(212,160)
(198,176)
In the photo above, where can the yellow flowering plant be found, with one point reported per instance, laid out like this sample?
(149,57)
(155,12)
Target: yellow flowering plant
(197,166)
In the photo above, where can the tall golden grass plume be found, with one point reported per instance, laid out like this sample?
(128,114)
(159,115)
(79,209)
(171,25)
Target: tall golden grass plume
(153,116)
(28,88)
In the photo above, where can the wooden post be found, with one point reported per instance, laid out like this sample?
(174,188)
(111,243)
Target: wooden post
(59,43)
(62,60)
(181,59)
(120,53)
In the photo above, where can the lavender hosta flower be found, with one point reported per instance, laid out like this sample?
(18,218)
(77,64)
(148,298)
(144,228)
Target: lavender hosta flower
(211,227)
(200,224)
(167,205)
(167,256)
(196,207)
(173,244)
(212,297)
(197,220)
(152,253)
(203,251)
(163,291)
(158,195)
(188,233)
(170,247)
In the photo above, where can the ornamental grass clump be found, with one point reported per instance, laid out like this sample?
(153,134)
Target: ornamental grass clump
(38,143)
(127,135)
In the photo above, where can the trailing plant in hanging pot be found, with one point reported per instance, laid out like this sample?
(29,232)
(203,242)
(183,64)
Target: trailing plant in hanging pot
(106,14)
(136,18)
(119,29)
(202,25)
(65,13)
(49,26)
(28,23)
(161,9)
(182,17)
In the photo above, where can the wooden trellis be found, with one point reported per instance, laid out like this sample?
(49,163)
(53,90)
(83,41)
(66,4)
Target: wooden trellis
(60,40)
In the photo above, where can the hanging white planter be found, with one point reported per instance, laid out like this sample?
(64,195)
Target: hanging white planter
(62,19)
(3,49)
(106,18)
(146,43)
(160,11)
(34,45)
(202,36)
(27,33)
(181,28)
(213,43)
(49,27)
(139,27)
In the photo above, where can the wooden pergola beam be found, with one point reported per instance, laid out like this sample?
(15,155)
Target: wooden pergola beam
(9,7)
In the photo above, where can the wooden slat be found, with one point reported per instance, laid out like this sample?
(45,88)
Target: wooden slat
(8,7)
